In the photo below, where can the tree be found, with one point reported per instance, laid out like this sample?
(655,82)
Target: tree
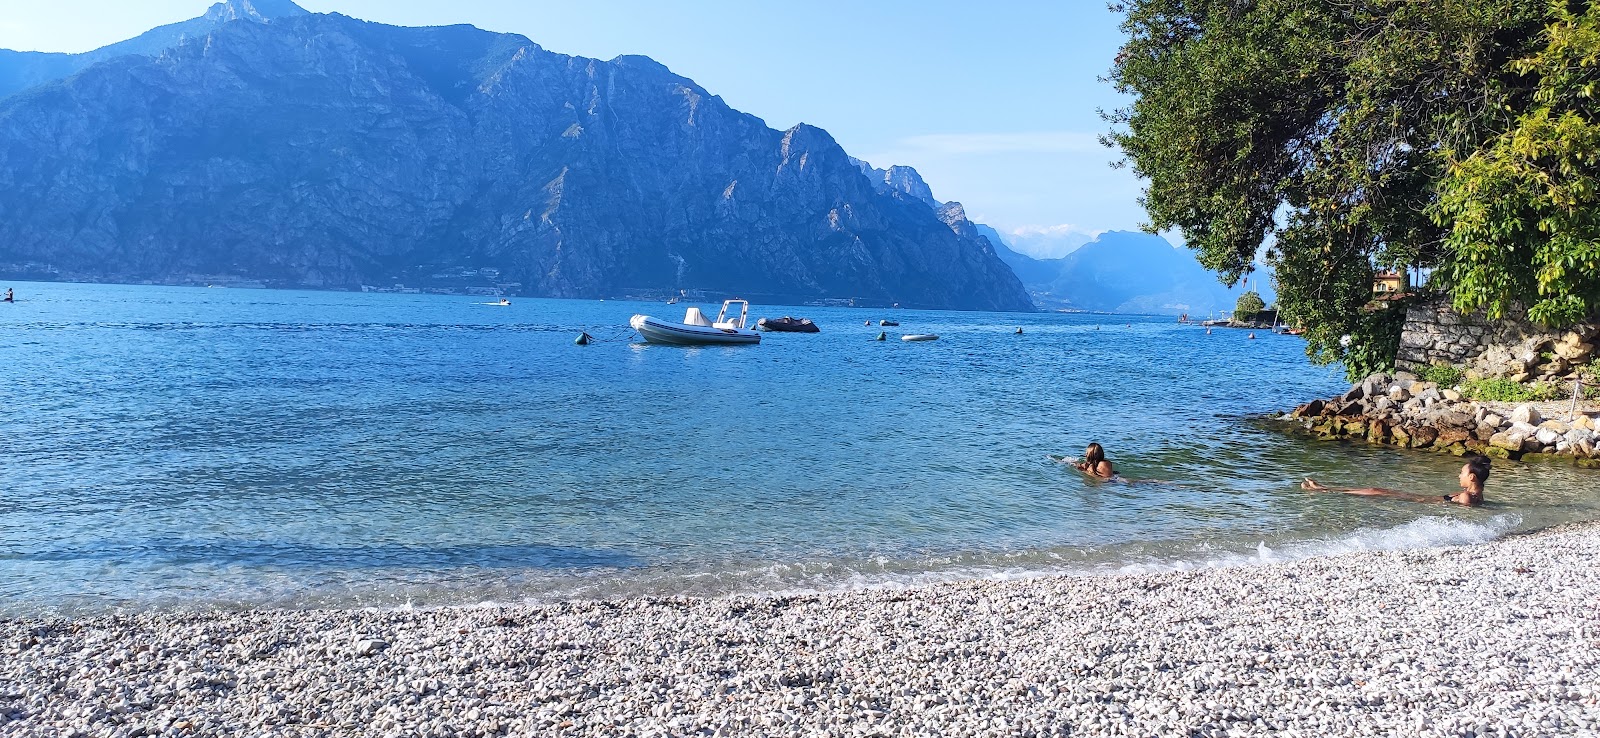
(1522,214)
(1248,306)
(1319,136)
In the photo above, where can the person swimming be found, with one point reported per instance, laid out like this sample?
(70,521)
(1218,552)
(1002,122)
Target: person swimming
(1094,463)
(1474,474)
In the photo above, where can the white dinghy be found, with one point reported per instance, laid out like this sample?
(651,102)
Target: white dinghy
(728,328)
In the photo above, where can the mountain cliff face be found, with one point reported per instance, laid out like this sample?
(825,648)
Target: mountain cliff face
(323,151)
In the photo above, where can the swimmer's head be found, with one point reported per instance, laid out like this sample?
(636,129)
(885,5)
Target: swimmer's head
(1475,473)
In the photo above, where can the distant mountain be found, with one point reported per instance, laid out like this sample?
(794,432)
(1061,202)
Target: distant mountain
(1126,272)
(324,151)
(20,70)
(898,179)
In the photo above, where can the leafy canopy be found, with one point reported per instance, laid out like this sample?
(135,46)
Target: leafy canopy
(1248,306)
(1335,139)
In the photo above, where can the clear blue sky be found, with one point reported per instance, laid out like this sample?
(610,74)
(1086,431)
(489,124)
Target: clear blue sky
(993,102)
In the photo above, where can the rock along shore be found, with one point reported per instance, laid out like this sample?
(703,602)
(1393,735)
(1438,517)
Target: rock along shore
(1491,640)
(1410,413)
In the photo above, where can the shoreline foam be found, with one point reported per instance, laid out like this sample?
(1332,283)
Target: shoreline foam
(1444,641)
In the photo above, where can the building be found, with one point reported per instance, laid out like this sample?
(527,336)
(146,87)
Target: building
(1390,283)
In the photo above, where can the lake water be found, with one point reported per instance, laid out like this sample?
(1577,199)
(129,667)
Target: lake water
(179,447)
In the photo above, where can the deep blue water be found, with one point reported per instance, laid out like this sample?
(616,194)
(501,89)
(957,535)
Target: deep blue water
(187,447)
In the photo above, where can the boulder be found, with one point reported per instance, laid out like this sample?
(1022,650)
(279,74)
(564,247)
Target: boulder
(1453,419)
(1547,437)
(1424,437)
(1451,395)
(1526,414)
(1574,352)
(1452,437)
(1310,409)
(1555,425)
(1355,393)
(1399,394)
(1508,440)
(1485,431)
(1494,420)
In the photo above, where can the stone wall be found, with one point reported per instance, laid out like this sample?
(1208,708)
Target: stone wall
(1512,347)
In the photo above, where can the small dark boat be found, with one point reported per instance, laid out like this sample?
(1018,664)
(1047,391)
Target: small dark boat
(787,324)
(888,322)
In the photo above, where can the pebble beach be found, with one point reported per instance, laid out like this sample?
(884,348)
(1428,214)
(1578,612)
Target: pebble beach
(1495,639)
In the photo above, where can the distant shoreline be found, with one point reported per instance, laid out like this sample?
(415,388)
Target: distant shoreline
(1418,642)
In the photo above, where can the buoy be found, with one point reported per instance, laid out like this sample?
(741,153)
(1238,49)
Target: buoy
(883,336)
(866,322)
(583,339)
(1019,331)
(1252,336)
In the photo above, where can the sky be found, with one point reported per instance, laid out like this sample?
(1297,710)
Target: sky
(994,103)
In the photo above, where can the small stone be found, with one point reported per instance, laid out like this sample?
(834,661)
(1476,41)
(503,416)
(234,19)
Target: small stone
(1451,395)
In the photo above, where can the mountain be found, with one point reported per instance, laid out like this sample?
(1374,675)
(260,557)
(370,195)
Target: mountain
(899,179)
(1126,272)
(20,70)
(323,151)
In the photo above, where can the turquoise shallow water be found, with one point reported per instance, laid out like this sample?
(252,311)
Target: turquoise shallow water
(177,447)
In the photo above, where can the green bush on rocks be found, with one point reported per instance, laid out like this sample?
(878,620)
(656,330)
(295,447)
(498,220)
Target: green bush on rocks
(1444,375)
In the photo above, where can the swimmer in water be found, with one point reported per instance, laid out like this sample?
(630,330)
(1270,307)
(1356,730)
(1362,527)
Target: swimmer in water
(1094,463)
(1474,474)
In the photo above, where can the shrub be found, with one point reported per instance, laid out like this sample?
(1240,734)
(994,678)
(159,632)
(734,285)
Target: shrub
(1496,390)
(1443,375)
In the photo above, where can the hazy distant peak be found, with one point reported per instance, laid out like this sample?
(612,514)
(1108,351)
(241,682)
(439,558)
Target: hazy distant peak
(255,10)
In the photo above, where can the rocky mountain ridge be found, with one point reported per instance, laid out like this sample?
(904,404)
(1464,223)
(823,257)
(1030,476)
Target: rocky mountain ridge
(20,70)
(323,151)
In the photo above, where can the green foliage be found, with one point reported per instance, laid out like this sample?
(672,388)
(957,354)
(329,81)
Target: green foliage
(1374,337)
(1505,390)
(1523,211)
(1443,375)
(1347,137)
(1591,372)
(1248,306)
(1496,390)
